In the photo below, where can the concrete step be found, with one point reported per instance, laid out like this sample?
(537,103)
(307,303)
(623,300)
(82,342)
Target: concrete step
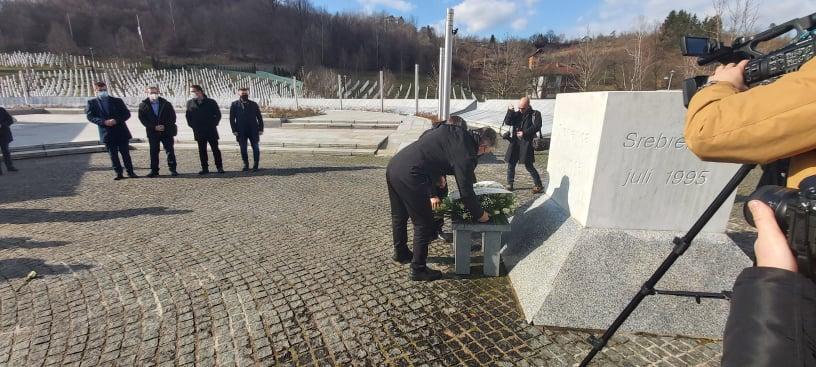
(338,151)
(339,125)
(54,146)
(53,152)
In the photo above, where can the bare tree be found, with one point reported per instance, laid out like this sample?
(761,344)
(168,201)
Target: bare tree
(588,60)
(739,17)
(641,50)
(505,73)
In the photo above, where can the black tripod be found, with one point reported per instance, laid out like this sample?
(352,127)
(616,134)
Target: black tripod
(681,244)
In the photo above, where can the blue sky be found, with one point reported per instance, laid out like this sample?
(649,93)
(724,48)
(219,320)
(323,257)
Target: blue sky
(572,17)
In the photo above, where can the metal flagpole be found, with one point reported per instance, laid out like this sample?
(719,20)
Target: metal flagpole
(139,29)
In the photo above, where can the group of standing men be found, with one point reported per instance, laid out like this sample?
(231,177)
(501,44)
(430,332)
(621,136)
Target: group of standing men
(159,119)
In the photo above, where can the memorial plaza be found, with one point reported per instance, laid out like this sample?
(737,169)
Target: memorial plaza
(287,266)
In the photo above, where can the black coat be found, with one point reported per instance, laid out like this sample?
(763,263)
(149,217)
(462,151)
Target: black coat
(117,111)
(772,320)
(203,116)
(246,119)
(5,126)
(528,122)
(166,117)
(443,150)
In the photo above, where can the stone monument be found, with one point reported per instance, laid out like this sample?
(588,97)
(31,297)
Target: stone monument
(622,184)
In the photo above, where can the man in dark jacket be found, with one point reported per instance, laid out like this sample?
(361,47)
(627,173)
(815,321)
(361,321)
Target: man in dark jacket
(443,150)
(525,123)
(159,118)
(203,116)
(247,124)
(773,309)
(111,113)
(6,138)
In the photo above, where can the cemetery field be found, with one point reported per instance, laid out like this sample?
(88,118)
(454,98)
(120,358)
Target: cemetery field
(287,266)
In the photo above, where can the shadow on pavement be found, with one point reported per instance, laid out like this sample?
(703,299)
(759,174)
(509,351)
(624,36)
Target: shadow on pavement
(30,216)
(17,268)
(27,243)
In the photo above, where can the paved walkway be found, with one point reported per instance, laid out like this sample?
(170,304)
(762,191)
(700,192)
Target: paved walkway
(288,266)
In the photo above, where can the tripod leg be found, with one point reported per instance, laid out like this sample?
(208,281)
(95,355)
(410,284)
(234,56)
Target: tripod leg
(680,247)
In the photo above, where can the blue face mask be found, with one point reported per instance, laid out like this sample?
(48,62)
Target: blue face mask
(102,94)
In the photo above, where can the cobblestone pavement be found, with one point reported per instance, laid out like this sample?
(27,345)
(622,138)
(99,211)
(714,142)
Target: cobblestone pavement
(288,266)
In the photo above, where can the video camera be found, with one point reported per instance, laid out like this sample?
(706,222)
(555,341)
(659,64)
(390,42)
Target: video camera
(763,68)
(795,211)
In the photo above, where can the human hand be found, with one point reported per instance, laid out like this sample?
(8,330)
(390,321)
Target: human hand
(110,122)
(771,246)
(731,73)
(159,127)
(260,132)
(485,217)
(435,203)
(234,133)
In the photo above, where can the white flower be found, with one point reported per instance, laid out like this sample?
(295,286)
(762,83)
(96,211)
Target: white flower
(506,210)
(496,212)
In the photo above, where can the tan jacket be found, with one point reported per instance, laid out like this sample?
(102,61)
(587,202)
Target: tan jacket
(761,125)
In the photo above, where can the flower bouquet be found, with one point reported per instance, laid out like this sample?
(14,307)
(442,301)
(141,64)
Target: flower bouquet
(499,203)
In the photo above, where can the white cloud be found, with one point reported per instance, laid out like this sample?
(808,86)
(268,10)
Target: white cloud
(400,5)
(481,15)
(621,15)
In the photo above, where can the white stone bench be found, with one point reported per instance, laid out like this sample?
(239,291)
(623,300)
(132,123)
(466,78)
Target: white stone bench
(491,243)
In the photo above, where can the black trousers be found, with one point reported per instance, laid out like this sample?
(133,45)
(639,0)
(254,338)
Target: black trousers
(4,147)
(202,153)
(511,172)
(256,150)
(410,200)
(120,147)
(167,143)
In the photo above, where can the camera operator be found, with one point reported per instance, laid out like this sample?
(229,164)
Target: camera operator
(728,123)
(773,310)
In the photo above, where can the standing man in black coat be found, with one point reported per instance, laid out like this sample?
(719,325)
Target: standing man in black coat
(111,114)
(5,139)
(159,118)
(203,115)
(247,124)
(411,174)
(525,123)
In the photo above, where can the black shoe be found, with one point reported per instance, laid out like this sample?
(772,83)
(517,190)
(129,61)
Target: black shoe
(174,173)
(403,256)
(447,237)
(119,177)
(509,187)
(133,175)
(425,274)
(153,174)
(12,169)
(256,169)
(220,170)
(204,172)
(245,169)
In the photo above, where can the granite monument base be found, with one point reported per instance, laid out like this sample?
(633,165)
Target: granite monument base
(568,275)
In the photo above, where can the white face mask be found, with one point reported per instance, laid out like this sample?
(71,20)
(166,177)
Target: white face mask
(154,96)
(102,94)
